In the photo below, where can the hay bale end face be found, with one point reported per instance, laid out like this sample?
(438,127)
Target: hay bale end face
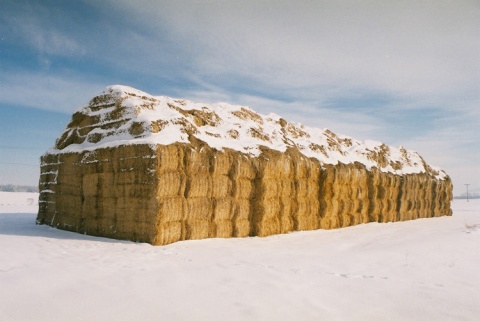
(158,170)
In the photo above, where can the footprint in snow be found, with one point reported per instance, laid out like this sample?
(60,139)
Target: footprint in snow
(356,276)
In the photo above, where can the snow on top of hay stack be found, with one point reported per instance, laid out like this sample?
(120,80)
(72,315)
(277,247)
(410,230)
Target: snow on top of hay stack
(123,115)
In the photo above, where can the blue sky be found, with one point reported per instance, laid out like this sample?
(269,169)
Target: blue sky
(405,72)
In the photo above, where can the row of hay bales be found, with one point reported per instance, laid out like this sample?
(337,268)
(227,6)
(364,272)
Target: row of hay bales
(163,194)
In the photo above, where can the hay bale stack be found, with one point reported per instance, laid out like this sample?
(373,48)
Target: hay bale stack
(167,177)
(107,192)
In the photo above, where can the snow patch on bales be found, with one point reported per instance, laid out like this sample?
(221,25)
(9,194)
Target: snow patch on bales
(122,115)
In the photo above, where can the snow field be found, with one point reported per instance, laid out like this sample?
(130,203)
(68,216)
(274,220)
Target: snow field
(425,269)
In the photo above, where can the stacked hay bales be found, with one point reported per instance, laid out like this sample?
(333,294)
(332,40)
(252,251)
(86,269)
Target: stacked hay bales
(107,192)
(162,192)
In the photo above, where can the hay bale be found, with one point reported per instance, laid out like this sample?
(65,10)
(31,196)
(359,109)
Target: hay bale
(161,194)
(164,194)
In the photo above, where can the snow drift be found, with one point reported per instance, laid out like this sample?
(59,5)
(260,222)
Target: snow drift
(160,170)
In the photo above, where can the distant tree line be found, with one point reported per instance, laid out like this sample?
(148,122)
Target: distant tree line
(470,196)
(18,188)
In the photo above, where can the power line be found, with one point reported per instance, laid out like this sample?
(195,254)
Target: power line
(19,164)
(20,148)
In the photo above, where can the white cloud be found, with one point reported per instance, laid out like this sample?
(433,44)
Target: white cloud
(32,25)
(356,67)
(405,48)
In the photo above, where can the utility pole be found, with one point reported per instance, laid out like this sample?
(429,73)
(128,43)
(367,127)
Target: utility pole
(467,190)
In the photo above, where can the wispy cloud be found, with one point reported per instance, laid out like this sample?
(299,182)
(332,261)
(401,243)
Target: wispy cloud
(33,25)
(404,72)
(406,49)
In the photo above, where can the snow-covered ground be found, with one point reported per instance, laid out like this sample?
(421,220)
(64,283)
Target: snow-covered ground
(427,269)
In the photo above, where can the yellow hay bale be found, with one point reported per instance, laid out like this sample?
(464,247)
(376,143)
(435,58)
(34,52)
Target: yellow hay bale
(171,184)
(107,208)
(164,194)
(222,163)
(223,209)
(200,208)
(90,185)
(268,227)
(198,161)
(244,167)
(168,232)
(243,188)
(199,185)
(287,222)
(222,228)
(197,229)
(241,217)
(307,214)
(172,209)
(170,158)
(222,186)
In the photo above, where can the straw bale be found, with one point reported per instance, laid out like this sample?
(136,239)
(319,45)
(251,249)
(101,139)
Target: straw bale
(70,187)
(68,158)
(223,209)
(104,164)
(89,206)
(198,161)
(270,208)
(223,163)
(68,222)
(106,226)
(68,203)
(269,187)
(138,208)
(222,228)
(344,220)
(90,185)
(306,188)
(199,208)
(144,190)
(108,207)
(172,209)
(287,222)
(63,179)
(89,226)
(242,228)
(241,217)
(125,227)
(49,177)
(164,194)
(169,232)
(242,209)
(268,226)
(46,213)
(197,229)
(243,188)
(170,158)
(277,166)
(302,167)
(171,184)
(306,214)
(144,231)
(244,168)
(222,186)
(49,161)
(198,185)
(106,183)
(124,177)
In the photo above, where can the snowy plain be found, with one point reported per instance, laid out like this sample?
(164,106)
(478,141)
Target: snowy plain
(426,269)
